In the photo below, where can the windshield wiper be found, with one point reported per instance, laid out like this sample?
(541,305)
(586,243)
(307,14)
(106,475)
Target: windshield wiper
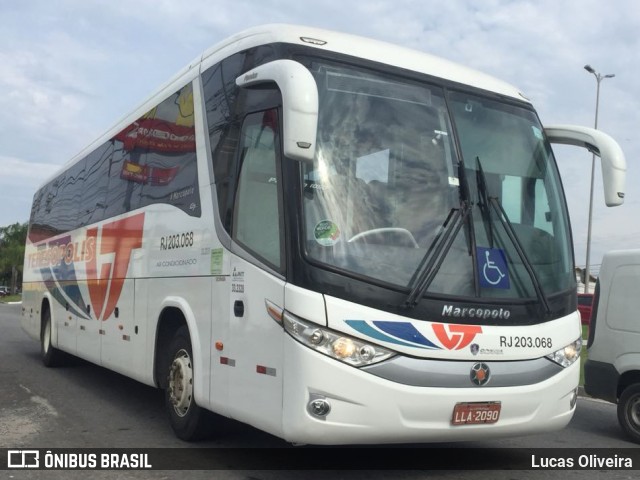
(483,201)
(504,221)
(431,262)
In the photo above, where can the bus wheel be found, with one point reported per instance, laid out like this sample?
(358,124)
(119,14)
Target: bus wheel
(188,421)
(51,356)
(629,411)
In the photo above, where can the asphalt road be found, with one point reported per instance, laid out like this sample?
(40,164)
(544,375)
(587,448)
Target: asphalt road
(85,406)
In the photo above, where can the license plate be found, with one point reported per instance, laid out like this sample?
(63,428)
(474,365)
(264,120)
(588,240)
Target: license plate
(475,413)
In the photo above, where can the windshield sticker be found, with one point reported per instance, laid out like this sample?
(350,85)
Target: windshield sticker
(326,233)
(492,268)
(217,256)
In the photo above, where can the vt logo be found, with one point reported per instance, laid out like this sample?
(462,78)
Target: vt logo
(107,270)
(457,337)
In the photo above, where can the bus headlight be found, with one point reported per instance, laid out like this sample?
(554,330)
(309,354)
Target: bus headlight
(567,355)
(347,349)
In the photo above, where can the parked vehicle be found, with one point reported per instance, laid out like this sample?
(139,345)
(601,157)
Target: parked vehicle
(4,291)
(612,370)
(585,300)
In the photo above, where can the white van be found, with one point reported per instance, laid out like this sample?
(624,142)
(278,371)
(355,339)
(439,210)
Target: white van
(612,371)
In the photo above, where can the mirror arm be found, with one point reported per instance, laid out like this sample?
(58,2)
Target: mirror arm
(299,103)
(614,165)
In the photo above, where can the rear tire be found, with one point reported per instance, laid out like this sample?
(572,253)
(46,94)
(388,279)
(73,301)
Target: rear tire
(188,421)
(51,356)
(629,411)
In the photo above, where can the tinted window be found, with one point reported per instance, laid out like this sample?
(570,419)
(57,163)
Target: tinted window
(157,157)
(257,223)
(96,185)
(153,160)
(226,105)
(55,208)
(220,93)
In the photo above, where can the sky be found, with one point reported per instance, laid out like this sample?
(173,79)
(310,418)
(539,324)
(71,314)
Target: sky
(71,69)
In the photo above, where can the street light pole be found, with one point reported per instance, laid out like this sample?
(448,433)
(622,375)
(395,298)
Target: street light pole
(599,78)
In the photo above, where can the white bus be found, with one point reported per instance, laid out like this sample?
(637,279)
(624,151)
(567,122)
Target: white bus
(330,238)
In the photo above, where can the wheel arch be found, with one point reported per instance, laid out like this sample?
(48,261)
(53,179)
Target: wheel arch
(626,379)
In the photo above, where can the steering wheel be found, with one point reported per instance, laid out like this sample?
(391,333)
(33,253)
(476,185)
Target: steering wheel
(403,233)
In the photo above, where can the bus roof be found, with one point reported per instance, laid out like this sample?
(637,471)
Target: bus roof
(366,48)
(361,47)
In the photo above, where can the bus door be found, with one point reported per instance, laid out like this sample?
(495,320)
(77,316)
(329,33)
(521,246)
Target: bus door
(255,339)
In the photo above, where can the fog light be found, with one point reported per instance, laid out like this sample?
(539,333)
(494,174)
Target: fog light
(319,407)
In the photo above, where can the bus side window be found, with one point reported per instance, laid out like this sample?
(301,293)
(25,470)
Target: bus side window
(257,219)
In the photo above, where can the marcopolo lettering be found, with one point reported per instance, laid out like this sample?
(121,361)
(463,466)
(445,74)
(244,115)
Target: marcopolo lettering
(476,312)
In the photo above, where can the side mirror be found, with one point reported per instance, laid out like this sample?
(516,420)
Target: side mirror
(614,165)
(299,104)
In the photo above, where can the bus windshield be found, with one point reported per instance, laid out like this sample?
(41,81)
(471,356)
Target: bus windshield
(458,198)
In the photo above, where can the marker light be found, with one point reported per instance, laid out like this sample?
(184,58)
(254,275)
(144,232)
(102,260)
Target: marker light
(334,344)
(568,355)
(316,337)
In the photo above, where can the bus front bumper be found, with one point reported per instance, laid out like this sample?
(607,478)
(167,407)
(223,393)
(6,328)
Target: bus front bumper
(366,409)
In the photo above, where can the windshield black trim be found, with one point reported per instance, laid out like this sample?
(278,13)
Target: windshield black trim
(306,272)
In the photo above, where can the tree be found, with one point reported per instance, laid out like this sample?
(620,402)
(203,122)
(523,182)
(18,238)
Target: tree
(12,240)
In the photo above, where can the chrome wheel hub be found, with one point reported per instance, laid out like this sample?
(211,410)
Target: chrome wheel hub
(181,383)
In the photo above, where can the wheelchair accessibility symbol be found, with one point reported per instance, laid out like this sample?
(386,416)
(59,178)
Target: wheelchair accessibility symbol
(492,268)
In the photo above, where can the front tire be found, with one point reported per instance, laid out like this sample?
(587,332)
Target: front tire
(51,356)
(629,411)
(188,421)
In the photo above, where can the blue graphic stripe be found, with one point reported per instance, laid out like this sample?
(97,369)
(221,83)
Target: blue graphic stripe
(73,292)
(57,295)
(77,305)
(363,327)
(405,331)
(61,281)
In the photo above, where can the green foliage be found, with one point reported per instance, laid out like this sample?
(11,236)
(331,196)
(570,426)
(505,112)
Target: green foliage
(12,240)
